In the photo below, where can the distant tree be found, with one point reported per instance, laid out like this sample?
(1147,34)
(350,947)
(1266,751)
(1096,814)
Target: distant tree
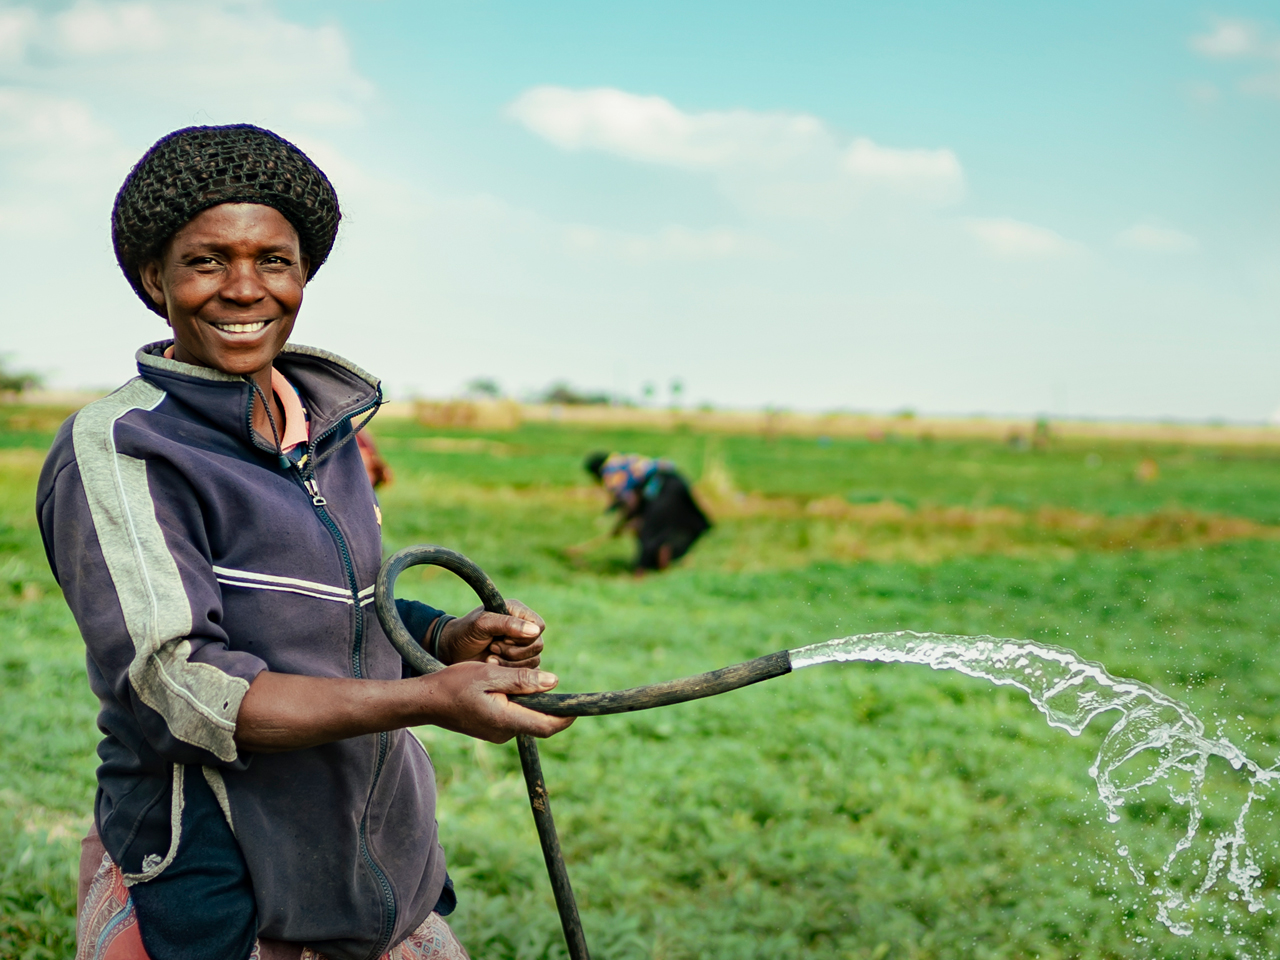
(17,381)
(562,392)
(484,387)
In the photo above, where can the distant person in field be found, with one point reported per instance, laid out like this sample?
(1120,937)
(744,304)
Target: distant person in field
(652,499)
(377,469)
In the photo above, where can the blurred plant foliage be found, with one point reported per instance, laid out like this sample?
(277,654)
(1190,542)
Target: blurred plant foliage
(842,812)
(16,381)
(572,396)
(483,388)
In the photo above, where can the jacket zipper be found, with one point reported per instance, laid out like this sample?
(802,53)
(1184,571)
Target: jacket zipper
(307,478)
(320,505)
(388,895)
(314,442)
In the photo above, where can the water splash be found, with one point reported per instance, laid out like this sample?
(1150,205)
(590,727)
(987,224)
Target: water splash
(1156,741)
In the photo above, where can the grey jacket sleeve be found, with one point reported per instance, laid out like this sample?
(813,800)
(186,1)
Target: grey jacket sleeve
(137,576)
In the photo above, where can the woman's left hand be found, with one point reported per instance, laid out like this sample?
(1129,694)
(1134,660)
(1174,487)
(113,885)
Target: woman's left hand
(510,641)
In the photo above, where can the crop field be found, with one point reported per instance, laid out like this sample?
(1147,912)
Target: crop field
(842,812)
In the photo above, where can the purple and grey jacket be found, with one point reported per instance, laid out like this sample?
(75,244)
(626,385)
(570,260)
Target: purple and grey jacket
(193,559)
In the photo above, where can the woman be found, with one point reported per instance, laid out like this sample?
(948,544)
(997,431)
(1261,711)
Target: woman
(215,533)
(654,501)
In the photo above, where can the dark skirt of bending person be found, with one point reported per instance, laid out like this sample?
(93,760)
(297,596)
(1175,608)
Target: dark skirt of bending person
(672,519)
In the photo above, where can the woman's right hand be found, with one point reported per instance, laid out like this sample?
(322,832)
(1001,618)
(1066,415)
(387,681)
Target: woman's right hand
(472,698)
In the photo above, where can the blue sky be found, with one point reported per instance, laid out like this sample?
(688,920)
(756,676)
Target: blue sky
(1063,208)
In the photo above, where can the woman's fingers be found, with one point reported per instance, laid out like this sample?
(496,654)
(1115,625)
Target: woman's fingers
(522,680)
(517,639)
(517,649)
(500,625)
(513,639)
(514,659)
(536,724)
(518,609)
(527,680)
(473,698)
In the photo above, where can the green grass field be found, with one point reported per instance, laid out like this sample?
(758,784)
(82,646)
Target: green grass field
(867,811)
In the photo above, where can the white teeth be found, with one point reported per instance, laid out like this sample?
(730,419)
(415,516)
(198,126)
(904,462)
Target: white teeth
(241,327)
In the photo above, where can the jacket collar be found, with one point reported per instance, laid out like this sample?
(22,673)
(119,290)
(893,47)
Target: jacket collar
(332,388)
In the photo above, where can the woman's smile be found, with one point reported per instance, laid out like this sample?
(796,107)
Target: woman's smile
(239,332)
(252,326)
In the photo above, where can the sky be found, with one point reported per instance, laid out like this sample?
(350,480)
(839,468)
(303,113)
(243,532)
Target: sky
(1063,209)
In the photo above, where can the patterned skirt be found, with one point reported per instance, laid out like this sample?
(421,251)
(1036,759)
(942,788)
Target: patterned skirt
(107,929)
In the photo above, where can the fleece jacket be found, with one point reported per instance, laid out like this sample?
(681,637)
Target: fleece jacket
(194,556)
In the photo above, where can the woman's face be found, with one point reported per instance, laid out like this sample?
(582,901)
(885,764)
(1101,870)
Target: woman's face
(231,282)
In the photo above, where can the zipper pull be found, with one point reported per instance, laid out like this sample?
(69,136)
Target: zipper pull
(310,484)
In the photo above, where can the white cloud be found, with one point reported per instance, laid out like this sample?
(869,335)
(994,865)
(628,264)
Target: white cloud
(653,130)
(1153,239)
(249,62)
(1015,240)
(934,171)
(54,155)
(94,28)
(1230,39)
(1248,41)
(29,118)
(62,74)
(16,26)
(788,163)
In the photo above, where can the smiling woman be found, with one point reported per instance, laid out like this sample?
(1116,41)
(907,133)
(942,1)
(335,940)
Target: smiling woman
(215,533)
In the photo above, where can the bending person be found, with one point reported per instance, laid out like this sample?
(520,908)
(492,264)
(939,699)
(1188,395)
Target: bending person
(652,500)
(215,533)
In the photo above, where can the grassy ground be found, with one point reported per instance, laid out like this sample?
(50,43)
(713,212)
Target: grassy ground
(842,812)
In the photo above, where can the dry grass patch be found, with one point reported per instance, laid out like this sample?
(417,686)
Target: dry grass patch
(755,532)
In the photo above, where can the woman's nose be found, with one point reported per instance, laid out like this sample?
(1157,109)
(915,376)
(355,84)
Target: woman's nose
(243,285)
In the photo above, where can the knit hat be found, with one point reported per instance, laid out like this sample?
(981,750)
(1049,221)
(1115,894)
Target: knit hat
(196,168)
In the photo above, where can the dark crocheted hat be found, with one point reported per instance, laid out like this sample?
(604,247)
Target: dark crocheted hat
(194,169)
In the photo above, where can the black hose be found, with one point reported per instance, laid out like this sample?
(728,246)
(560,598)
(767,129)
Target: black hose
(558,704)
(384,597)
(419,659)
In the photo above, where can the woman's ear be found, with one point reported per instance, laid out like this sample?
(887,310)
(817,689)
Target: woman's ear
(150,277)
(305,262)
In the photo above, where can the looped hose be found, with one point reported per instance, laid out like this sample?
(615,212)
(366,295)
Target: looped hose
(557,704)
(539,800)
(384,598)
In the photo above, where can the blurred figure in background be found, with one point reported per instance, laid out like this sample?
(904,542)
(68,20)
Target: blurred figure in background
(374,465)
(652,500)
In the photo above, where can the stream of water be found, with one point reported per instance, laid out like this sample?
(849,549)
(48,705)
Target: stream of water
(1157,742)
